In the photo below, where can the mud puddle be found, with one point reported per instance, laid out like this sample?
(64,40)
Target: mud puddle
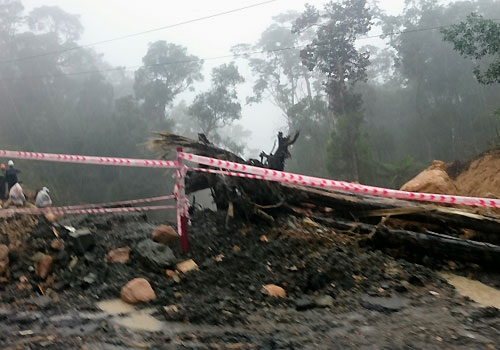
(479,292)
(128,316)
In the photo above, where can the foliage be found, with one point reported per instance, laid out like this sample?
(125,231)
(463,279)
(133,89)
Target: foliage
(333,51)
(219,106)
(158,82)
(478,38)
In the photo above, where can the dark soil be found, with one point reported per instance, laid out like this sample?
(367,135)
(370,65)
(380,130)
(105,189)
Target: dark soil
(221,305)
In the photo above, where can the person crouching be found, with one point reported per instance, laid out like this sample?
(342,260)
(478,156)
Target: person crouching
(43,199)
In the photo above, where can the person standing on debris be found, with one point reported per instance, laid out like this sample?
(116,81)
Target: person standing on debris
(3,190)
(11,175)
(43,199)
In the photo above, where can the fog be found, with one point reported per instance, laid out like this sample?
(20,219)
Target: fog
(377,91)
(205,38)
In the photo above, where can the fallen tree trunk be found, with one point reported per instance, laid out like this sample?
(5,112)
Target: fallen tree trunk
(416,245)
(370,209)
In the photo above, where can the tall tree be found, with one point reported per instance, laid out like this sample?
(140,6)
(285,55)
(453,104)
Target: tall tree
(333,53)
(219,106)
(167,71)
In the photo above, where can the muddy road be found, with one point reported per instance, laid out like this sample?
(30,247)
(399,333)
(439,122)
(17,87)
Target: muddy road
(340,293)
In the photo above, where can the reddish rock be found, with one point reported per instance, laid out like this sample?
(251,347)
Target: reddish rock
(236,249)
(57,244)
(136,291)
(186,266)
(273,291)
(44,266)
(165,234)
(119,255)
(4,259)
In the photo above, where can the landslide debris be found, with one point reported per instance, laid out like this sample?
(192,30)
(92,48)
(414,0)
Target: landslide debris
(221,284)
(479,177)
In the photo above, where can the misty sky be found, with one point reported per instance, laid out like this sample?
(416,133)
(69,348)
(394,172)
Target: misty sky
(208,38)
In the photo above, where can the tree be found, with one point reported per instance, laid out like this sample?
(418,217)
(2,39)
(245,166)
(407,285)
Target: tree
(167,71)
(333,53)
(219,106)
(280,76)
(478,38)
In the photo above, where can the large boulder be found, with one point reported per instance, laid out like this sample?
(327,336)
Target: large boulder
(434,179)
(136,291)
(165,234)
(155,254)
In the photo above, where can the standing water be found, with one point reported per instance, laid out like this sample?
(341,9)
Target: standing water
(479,292)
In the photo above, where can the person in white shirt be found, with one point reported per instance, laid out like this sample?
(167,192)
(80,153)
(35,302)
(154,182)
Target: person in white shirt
(43,199)
(16,195)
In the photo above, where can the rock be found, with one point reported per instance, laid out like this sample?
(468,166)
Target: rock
(323,301)
(264,239)
(304,303)
(43,266)
(416,281)
(310,223)
(186,266)
(236,249)
(165,234)
(51,217)
(273,290)
(119,255)
(136,291)
(4,259)
(382,304)
(434,179)
(81,240)
(91,278)
(171,309)
(155,254)
(173,275)
(57,244)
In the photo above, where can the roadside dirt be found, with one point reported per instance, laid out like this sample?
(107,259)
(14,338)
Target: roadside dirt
(340,293)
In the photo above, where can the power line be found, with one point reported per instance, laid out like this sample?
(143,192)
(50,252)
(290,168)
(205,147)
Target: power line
(233,56)
(80,47)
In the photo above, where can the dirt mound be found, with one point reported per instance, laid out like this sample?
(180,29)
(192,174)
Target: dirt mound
(477,178)
(482,178)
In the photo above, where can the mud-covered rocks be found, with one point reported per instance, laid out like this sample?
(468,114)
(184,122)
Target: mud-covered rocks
(186,266)
(323,301)
(43,265)
(136,291)
(4,259)
(118,255)
(155,254)
(81,240)
(57,244)
(273,290)
(165,234)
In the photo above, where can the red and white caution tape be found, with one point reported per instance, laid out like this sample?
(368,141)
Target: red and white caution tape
(127,202)
(97,205)
(62,210)
(282,176)
(79,159)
